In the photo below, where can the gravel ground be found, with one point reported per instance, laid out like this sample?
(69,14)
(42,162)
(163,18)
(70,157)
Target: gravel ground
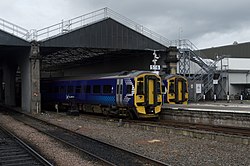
(169,148)
(57,153)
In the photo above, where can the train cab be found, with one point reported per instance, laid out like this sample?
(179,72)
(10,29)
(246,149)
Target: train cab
(175,89)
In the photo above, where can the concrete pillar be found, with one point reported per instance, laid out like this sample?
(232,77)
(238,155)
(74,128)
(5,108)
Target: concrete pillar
(30,77)
(1,86)
(9,79)
(35,101)
(25,83)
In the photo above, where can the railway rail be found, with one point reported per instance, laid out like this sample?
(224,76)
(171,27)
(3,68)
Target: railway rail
(238,131)
(13,151)
(230,130)
(214,130)
(105,153)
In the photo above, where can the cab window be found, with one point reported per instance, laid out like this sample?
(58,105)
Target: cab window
(171,87)
(140,88)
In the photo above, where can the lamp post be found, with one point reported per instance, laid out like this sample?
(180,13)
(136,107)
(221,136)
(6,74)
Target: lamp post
(228,83)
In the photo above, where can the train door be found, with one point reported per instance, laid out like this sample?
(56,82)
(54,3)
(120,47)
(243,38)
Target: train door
(171,97)
(119,92)
(181,90)
(151,93)
(151,90)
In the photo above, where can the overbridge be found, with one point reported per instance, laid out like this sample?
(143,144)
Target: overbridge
(100,41)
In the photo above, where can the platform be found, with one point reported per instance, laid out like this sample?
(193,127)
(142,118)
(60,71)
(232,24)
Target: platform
(235,106)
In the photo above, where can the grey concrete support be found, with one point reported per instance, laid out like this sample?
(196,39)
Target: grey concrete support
(1,85)
(25,83)
(35,100)
(9,79)
(30,77)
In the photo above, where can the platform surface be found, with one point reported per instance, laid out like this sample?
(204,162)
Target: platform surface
(235,106)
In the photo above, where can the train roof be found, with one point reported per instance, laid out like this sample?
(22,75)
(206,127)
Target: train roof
(173,75)
(123,74)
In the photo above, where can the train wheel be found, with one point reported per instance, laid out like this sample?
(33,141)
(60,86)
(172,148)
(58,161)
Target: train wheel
(156,119)
(105,111)
(132,114)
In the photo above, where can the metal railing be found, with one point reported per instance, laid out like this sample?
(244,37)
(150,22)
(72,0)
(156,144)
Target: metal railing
(79,22)
(138,28)
(14,29)
(69,25)
(185,44)
(189,52)
(93,17)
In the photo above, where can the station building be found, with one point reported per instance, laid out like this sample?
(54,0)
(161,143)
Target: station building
(234,69)
(220,73)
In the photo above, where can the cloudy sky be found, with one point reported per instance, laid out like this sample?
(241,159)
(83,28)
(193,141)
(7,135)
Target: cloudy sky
(206,23)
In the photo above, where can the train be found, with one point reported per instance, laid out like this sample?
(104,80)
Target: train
(134,94)
(175,89)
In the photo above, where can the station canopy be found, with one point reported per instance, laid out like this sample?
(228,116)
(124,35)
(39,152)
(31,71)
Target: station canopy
(95,38)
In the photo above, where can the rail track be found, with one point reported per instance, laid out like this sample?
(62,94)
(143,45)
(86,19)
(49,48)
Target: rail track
(103,152)
(230,130)
(13,151)
(234,131)
(237,131)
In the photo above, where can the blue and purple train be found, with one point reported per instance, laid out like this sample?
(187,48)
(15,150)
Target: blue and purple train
(136,94)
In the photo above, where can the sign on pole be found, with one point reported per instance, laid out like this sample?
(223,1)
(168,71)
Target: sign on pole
(155,67)
(198,88)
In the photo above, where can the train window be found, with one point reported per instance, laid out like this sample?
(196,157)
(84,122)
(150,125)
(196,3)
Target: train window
(117,89)
(96,89)
(129,89)
(87,89)
(140,79)
(70,89)
(139,88)
(171,87)
(158,87)
(185,86)
(107,89)
(62,89)
(78,89)
(121,89)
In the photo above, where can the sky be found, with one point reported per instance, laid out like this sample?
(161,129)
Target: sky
(206,23)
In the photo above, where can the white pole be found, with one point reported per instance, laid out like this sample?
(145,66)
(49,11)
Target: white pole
(37,107)
(228,98)
(56,107)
